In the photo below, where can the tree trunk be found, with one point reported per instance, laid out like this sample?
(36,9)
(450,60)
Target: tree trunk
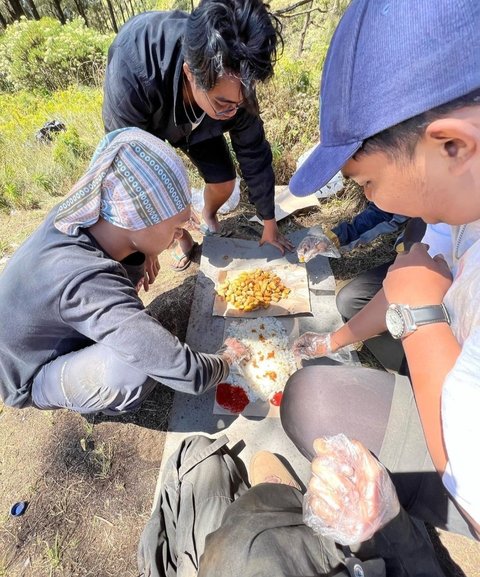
(59,12)
(124,18)
(304,32)
(15,9)
(33,9)
(112,16)
(103,21)
(132,8)
(82,11)
(3,21)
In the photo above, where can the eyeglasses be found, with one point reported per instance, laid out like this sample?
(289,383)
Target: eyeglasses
(226,111)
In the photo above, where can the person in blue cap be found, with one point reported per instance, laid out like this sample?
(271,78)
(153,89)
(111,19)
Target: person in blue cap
(413,144)
(75,334)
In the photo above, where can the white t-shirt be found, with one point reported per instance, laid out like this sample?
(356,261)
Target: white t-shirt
(461,390)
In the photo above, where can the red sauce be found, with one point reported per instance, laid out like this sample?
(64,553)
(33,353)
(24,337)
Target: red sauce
(277,399)
(231,397)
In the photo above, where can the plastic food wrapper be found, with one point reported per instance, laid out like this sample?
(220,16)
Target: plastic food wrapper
(314,245)
(350,495)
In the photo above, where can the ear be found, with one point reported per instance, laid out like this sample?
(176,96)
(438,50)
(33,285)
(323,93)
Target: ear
(457,140)
(188,72)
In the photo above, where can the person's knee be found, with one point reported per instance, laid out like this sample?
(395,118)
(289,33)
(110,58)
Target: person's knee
(348,302)
(102,382)
(300,410)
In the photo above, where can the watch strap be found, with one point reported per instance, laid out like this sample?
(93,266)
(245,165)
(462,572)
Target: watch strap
(429,314)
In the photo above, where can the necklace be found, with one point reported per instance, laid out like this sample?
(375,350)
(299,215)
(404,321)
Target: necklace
(196,119)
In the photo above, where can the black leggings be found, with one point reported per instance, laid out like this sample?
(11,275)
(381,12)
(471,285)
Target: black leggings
(325,400)
(347,400)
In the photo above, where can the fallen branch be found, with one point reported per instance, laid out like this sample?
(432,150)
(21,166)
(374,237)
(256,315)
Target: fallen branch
(284,11)
(303,12)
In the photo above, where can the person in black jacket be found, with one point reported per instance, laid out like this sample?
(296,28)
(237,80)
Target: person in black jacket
(189,79)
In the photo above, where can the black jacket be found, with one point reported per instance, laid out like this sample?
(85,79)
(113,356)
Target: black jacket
(143,89)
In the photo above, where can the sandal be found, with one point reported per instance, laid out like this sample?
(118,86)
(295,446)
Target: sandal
(187,256)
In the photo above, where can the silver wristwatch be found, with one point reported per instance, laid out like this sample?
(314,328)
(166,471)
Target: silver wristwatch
(402,320)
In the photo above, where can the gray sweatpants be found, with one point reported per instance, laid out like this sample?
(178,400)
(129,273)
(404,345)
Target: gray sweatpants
(94,379)
(90,380)
(206,522)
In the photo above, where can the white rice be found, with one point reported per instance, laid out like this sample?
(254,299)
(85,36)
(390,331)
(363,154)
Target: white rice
(271,361)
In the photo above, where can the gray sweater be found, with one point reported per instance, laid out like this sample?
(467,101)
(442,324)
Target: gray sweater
(59,294)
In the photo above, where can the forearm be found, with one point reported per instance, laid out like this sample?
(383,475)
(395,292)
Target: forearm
(367,323)
(431,352)
(270,226)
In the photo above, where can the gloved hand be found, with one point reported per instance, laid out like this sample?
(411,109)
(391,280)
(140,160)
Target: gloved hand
(311,345)
(234,351)
(313,245)
(350,495)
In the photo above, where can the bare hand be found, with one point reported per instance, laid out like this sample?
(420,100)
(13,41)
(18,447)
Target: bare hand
(271,235)
(152,268)
(193,222)
(350,495)
(417,279)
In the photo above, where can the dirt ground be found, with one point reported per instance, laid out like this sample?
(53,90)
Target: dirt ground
(90,482)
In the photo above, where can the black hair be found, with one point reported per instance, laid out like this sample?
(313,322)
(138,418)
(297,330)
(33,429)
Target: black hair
(399,141)
(232,36)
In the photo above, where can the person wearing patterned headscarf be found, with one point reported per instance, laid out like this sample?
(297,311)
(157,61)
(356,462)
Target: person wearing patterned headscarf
(74,333)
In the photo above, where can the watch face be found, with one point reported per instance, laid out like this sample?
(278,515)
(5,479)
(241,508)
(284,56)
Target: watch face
(395,323)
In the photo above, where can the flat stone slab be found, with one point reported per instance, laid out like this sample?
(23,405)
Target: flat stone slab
(193,415)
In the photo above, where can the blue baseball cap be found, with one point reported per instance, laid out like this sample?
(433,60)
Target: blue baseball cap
(388,61)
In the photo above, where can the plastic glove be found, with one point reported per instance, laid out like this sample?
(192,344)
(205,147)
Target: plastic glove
(234,351)
(350,495)
(312,345)
(313,245)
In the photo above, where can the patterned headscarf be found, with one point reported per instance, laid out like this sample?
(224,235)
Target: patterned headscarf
(134,180)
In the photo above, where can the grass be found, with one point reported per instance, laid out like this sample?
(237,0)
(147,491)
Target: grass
(53,554)
(32,172)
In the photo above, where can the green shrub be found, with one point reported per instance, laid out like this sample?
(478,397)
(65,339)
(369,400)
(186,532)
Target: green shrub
(69,150)
(31,173)
(44,55)
(289,106)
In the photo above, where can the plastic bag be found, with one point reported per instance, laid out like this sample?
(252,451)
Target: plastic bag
(350,495)
(230,204)
(314,245)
